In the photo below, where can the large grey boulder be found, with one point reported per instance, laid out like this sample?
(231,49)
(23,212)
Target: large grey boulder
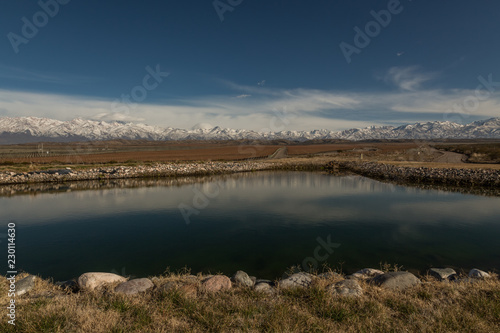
(242,279)
(25,285)
(297,280)
(442,273)
(349,288)
(396,280)
(479,274)
(134,287)
(91,281)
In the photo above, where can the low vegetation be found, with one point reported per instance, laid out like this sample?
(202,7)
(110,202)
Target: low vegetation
(430,307)
(27,157)
(476,152)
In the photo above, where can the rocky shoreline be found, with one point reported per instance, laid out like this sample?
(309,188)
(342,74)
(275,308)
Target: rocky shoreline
(158,170)
(196,285)
(464,177)
(486,181)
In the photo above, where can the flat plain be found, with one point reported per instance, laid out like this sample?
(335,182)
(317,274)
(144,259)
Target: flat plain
(458,154)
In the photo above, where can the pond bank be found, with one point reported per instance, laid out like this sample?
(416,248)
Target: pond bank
(154,171)
(369,300)
(464,177)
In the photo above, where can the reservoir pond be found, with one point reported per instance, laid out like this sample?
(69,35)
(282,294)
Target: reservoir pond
(260,222)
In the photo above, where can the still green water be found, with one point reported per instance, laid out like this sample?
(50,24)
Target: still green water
(261,223)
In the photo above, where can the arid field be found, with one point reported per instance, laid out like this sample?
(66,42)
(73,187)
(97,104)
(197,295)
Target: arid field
(101,152)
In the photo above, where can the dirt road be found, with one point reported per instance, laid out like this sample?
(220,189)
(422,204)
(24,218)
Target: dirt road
(449,157)
(279,153)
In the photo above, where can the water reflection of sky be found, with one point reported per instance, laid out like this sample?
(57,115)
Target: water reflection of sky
(303,197)
(263,222)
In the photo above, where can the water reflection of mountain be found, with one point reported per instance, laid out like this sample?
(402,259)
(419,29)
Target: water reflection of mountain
(240,181)
(284,197)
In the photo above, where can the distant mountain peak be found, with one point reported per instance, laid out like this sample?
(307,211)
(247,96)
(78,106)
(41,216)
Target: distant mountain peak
(33,129)
(202,126)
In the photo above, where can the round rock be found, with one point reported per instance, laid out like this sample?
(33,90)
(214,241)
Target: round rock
(25,285)
(241,278)
(216,283)
(297,280)
(134,287)
(442,273)
(91,281)
(366,273)
(349,288)
(478,274)
(396,280)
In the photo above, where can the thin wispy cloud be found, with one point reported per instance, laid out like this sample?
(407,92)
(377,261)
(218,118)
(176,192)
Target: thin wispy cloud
(21,74)
(243,96)
(117,116)
(408,78)
(306,109)
(245,89)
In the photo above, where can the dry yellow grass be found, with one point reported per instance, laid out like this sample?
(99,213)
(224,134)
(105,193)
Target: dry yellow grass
(430,307)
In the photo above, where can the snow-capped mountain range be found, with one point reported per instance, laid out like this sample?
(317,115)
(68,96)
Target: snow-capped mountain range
(32,129)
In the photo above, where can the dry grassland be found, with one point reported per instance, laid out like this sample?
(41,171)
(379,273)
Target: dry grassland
(430,307)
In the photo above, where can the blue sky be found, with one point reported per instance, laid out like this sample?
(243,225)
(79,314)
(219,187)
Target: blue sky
(240,63)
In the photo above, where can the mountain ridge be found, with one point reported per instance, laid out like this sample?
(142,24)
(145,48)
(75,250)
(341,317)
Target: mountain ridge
(34,129)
